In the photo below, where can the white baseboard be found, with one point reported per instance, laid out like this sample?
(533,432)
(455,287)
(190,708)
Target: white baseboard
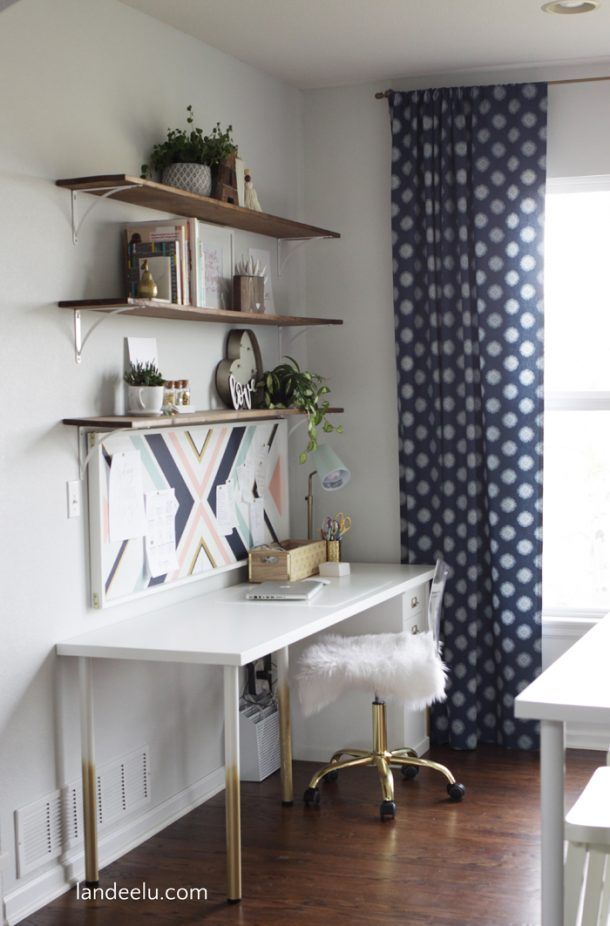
(589,738)
(25,899)
(3,868)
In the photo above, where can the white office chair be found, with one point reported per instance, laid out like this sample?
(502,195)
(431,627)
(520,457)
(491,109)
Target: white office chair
(400,665)
(587,867)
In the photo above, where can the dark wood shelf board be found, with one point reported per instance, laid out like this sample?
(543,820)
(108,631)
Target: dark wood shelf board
(193,313)
(212,416)
(153,195)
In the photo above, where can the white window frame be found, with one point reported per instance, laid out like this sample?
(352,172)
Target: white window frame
(594,400)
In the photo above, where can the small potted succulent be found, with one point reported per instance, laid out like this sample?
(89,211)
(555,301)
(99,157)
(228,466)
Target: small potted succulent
(287,386)
(187,158)
(144,389)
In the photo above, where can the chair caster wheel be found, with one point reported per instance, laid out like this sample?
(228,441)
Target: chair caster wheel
(456,791)
(311,797)
(387,810)
(409,772)
(332,775)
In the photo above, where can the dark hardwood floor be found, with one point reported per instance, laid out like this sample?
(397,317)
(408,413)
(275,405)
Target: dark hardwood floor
(438,864)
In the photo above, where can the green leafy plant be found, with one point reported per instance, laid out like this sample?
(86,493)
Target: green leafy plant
(191,146)
(287,386)
(143,374)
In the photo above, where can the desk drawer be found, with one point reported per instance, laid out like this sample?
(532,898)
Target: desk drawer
(415,623)
(414,610)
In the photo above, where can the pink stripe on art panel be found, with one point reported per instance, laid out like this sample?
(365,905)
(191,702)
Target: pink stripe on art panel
(276,485)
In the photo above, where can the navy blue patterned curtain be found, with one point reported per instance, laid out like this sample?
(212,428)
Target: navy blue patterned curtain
(468,179)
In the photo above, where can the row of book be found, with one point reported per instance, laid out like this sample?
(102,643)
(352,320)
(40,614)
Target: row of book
(176,252)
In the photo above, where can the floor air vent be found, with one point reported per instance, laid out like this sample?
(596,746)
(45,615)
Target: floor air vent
(53,824)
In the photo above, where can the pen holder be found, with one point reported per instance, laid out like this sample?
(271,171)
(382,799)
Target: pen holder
(333,551)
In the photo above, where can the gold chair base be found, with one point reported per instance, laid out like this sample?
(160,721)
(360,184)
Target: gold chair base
(381,757)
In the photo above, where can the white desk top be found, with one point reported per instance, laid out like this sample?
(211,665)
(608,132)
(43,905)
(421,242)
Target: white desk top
(222,628)
(576,686)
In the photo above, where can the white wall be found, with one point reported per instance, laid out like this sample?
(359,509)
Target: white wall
(88,87)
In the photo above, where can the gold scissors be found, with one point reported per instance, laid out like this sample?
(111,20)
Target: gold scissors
(342,524)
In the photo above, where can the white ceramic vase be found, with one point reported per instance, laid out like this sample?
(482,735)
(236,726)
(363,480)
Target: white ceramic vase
(196,178)
(145,400)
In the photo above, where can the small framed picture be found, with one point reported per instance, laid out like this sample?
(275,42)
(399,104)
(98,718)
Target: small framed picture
(215,258)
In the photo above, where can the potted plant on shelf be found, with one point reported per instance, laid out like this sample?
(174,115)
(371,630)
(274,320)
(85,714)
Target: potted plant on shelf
(287,386)
(187,158)
(144,389)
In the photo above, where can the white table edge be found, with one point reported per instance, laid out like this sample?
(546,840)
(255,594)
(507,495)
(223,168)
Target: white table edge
(328,618)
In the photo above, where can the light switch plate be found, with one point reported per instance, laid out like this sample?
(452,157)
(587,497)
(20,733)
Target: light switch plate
(74,498)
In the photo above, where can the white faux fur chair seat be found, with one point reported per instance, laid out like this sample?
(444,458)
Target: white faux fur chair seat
(392,665)
(389,665)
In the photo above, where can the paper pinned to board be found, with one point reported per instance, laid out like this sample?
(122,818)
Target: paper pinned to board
(257,522)
(245,480)
(160,542)
(260,475)
(225,509)
(126,518)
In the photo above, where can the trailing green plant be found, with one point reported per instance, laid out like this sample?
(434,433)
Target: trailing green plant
(191,146)
(287,386)
(143,374)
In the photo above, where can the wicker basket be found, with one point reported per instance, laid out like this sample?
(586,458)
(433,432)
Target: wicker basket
(288,561)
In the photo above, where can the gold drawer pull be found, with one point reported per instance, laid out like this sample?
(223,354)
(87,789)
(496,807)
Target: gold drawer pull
(414,629)
(414,601)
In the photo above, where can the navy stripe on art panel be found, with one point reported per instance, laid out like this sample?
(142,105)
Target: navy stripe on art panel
(226,464)
(174,479)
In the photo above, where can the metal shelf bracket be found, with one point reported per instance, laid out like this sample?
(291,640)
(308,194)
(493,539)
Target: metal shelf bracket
(282,259)
(79,340)
(76,224)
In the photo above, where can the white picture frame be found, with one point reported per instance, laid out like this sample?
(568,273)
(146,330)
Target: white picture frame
(215,251)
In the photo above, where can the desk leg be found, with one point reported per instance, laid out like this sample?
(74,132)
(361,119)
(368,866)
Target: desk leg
(88,771)
(283,697)
(232,797)
(552,760)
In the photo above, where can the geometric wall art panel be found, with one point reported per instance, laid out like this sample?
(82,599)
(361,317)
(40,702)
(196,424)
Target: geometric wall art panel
(249,460)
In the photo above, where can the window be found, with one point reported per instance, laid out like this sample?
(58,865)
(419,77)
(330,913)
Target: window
(576,515)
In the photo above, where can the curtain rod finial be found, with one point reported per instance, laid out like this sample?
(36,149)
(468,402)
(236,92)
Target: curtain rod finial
(383,94)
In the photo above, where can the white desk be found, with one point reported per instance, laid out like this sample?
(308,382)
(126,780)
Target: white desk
(575,688)
(222,628)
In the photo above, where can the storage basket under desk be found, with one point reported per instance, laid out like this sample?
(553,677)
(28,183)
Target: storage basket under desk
(259,734)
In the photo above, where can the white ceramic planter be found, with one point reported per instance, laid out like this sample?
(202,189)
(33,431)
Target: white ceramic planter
(196,178)
(145,400)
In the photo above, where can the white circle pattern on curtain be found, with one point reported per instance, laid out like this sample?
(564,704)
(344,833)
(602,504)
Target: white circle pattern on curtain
(468,178)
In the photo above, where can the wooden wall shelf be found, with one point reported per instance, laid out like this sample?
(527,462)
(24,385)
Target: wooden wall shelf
(212,416)
(143,309)
(153,195)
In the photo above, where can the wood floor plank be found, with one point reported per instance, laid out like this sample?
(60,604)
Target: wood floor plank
(438,864)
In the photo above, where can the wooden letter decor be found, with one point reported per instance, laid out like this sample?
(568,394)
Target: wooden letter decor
(225,185)
(237,375)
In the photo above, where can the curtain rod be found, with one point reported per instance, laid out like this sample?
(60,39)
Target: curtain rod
(384,94)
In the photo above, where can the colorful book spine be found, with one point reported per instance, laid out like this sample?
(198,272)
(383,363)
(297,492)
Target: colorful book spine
(197,264)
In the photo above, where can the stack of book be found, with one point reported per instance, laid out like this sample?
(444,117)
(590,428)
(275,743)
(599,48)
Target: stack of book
(185,266)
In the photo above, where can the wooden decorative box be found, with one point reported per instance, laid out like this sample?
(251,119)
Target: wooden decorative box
(287,561)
